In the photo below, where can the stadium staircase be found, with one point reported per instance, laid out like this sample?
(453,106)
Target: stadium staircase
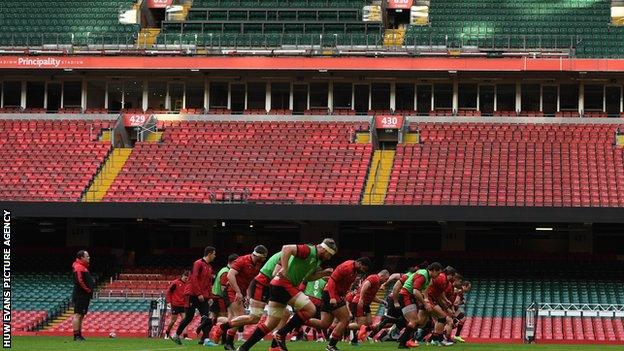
(394,37)
(107,174)
(378,309)
(147,37)
(378,177)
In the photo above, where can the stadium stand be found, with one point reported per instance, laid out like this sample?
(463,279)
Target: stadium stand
(38,297)
(289,162)
(533,24)
(33,23)
(51,160)
(509,165)
(140,284)
(272,24)
(122,316)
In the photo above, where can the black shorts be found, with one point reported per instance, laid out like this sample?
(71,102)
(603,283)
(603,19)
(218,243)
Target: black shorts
(177,309)
(355,312)
(391,310)
(327,307)
(218,305)
(280,294)
(81,305)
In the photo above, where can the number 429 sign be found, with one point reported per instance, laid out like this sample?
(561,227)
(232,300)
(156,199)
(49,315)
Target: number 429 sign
(388,122)
(134,119)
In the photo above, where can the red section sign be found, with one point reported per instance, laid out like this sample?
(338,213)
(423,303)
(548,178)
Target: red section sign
(159,4)
(400,4)
(134,119)
(388,122)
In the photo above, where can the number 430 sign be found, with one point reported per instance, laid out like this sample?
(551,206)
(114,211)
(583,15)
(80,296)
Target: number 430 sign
(388,122)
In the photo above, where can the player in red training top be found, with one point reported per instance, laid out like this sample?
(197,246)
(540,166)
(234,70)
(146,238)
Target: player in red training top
(199,292)
(333,298)
(176,298)
(243,270)
(440,308)
(360,307)
(460,313)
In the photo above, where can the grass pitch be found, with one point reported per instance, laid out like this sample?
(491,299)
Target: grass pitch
(44,343)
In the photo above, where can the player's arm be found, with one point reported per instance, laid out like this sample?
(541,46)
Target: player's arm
(419,281)
(393,277)
(170,291)
(287,252)
(194,281)
(231,276)
(395,291)
(365,286)
(277,269)
(320,273)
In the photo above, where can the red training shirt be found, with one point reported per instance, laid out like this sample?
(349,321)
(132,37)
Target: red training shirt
(246,269)
(200,280)
(375,284)
(175,294)
(341,279)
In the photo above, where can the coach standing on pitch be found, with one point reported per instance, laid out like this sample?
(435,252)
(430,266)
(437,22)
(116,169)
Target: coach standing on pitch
(83,291)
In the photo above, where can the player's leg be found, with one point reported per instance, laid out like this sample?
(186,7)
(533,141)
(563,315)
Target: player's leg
(442,320)
(188,317)
(236,309)
(205,322)
(304,311)
(172,320)
(276,312)
(81,307)
(342,315)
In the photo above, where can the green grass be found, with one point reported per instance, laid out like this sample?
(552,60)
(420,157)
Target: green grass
(43,343)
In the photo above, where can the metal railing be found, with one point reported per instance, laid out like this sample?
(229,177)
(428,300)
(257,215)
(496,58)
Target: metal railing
(206,43)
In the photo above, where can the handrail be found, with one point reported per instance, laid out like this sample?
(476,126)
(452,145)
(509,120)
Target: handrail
(377,168)
(179,41)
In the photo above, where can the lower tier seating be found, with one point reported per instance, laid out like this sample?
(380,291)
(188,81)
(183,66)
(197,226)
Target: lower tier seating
(38,296)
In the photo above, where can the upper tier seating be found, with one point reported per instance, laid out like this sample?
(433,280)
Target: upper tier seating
(292,162)
(45,160)
(479,164)
(37,22)
(250,23)
(524,23)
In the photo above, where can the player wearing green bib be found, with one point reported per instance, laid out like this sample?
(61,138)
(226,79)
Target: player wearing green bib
(299,263)
(218,307)
(412,297)
(314,290)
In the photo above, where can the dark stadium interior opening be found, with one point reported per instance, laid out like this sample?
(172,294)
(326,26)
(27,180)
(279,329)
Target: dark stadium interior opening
(149,238)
